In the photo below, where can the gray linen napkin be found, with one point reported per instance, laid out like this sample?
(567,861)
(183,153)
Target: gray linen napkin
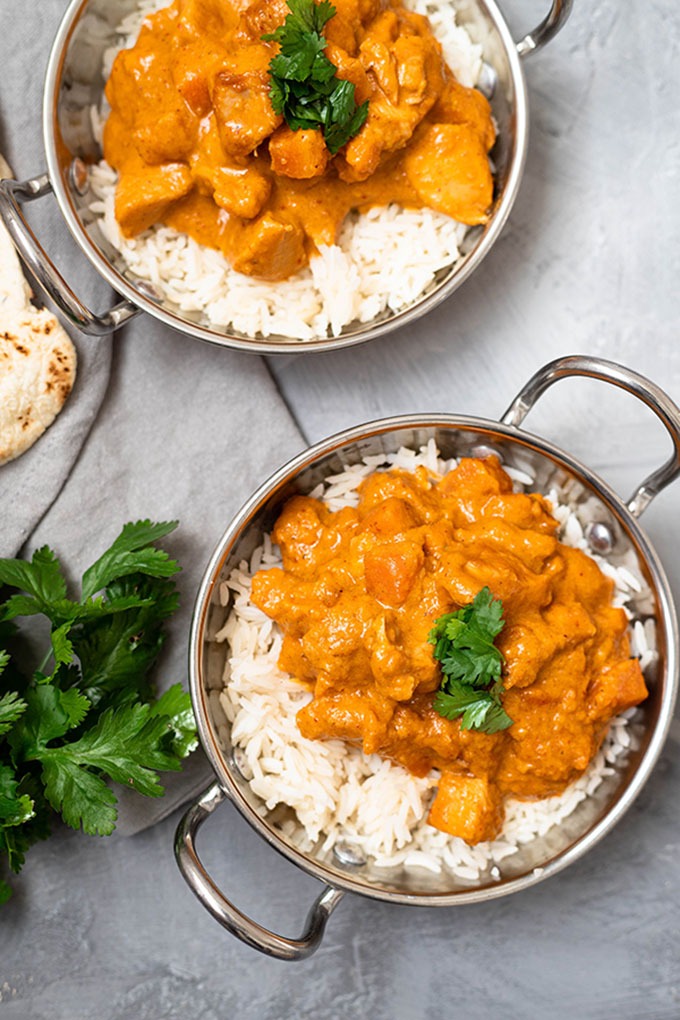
(186,431)
(29,484)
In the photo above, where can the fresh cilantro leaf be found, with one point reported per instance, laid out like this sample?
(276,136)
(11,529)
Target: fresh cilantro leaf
(127,746)
(49,714)
(131,553)
(297,57)
(64,736)
(62,648)
(42,577)
(323,12)
(339,134)
(279,91)
(15,808)
(157,592)
(80,796)
(496,718)
(477,710)
(116,653)
(65,610)
(21,605)
(15,840)
(175,705)
(342,101)
(471,665)
(305,17)
(12,708)
(76,706)
(304,87)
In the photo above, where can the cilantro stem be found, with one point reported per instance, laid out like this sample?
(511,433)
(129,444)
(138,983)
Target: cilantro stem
(46,659)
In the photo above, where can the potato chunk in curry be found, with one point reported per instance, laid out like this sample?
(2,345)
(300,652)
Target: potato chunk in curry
(199,147)
(360,590)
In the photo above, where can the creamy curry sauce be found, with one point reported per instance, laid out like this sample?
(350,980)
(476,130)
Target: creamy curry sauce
(360,590)
(197,145)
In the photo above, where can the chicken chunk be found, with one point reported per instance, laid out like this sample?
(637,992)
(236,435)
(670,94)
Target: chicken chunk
(240,187)
(192,85)
(143,82)
(267,247)
(349,68)
(391,571)
(243,109)
(390,518)
(340,32)
(617,689)
(299,154)
(460,105)
(467,807)
(240,191)
(408,73)
(358,12)
(264,16)
(201,18)
(449,169)
(143,198)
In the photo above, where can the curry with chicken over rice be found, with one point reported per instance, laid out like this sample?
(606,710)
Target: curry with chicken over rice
(361,590)
(201,139)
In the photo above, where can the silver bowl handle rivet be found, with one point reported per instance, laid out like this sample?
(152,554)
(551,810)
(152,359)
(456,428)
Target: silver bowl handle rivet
(348,855)
(599,537)
(79,176)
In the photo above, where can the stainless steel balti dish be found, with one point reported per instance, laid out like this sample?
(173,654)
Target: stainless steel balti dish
(613,529)
(74,84)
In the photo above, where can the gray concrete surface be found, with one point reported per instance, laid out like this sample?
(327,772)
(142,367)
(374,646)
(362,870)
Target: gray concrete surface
(106,929)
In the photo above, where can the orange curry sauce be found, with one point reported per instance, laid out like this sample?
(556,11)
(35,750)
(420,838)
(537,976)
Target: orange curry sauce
(197,145)
(360,590)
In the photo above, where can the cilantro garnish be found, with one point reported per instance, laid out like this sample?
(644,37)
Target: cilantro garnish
(87,715)
(304,86)
(471,664)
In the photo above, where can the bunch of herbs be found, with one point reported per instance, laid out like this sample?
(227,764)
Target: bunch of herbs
(87,713)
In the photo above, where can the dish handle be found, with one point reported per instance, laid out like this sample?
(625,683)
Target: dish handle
(626,379)
(12,195)
(228,915)
(549,27)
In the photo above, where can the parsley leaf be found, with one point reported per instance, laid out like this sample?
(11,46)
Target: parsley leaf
(127,745)
(11,707)
(15,808)
(304,87)
(464,645)
(131,553)
(175,705)
(65,735)
(45,719)
(82,797)
(42,577)
(116,653)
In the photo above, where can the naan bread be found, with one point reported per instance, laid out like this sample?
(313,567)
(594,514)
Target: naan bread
(37,357)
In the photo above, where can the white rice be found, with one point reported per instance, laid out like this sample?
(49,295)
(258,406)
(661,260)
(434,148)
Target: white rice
(366,803)
(384,259)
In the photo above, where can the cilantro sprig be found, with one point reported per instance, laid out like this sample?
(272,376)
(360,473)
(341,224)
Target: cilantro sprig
(87,714)
(304,86)
(471,685)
